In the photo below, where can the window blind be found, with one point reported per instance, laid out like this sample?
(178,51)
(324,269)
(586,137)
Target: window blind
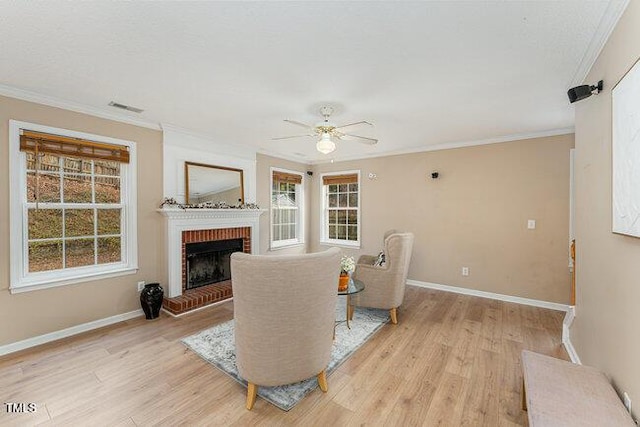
(287,177)
(38,142)
(340,179)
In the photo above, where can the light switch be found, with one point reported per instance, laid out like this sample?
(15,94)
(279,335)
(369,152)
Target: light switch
(531,224)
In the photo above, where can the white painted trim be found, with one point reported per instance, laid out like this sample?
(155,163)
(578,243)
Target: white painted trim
(288,246)
(571,351)
(20,279)
(566,335)
(610,18)
(491,295)
(450,145)
(300,195)
(25,95)
(73,280)
(197,309)
(64,333)
(324,240)
(200,140)
(179,220)
(568,309)
(178,148)
(303,160)
(572,204)
(51,101)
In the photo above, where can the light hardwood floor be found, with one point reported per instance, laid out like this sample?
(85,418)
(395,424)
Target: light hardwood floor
(452,360)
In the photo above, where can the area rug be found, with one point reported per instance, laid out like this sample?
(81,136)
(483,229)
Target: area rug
(216,346)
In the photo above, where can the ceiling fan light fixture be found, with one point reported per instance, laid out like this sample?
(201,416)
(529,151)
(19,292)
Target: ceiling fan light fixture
(325,145)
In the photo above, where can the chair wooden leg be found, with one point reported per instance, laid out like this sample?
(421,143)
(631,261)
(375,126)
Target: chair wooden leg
(322,381)
(252,392)
(394,315)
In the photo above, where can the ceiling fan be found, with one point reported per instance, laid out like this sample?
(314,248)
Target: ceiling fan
(327,130)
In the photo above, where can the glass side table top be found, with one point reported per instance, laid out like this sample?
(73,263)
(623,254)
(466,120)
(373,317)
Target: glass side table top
(355,286)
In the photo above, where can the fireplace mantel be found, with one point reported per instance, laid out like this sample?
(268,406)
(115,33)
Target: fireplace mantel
(178,220)
(196,213)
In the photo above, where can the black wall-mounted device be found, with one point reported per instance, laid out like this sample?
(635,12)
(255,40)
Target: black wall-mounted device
(579,93)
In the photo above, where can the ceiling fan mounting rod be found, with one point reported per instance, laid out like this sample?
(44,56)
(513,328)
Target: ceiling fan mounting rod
(326,112)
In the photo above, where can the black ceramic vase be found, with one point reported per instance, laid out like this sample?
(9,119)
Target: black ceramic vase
(151,300)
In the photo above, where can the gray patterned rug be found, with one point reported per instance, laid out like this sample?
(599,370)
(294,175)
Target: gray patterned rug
(216,346)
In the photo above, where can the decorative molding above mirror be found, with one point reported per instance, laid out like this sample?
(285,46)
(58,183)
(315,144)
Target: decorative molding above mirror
(210,183)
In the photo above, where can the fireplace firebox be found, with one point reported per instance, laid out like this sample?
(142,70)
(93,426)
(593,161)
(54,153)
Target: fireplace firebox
(209,262)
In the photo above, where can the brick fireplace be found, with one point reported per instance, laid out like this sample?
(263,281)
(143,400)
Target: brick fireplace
(191,238)
(188,228)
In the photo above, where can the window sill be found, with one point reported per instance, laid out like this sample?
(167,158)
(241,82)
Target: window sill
(276,247)
(53,283)
(341,243)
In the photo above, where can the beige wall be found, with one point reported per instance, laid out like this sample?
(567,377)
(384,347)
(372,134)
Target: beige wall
(605,331)
(264,164)
(35,313)
(475,215)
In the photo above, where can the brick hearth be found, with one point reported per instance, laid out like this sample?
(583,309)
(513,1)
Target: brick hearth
(198,297)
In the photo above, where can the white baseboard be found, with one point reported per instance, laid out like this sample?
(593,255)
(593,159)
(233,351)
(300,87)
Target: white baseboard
(490,295)
(64,333)
(568,309)
(566,335)
(573,355)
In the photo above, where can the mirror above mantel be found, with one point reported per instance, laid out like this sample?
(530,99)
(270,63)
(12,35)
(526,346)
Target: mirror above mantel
(215,184)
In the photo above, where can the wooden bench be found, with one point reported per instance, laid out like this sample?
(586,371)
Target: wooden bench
(559,393)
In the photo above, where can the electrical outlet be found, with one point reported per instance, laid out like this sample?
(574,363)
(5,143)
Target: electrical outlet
(626,401)
(531,224)
(140,286)
(465,271)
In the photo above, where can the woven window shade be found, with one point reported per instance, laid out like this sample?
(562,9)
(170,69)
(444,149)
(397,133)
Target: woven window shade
(287,177)
(340,179)
(37,142)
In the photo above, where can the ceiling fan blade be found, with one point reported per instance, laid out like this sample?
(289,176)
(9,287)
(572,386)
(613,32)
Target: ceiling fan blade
(356,138)
(363,122)
(292,136)
(293,122)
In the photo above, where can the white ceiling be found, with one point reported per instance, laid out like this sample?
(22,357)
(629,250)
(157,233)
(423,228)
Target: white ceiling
(430,73)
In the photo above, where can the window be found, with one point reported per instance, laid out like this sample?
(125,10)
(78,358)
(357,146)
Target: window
(341,208)
(73,209)
(286,208)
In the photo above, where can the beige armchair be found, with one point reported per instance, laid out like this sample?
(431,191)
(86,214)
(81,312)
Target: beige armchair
(384,285)
(284,314)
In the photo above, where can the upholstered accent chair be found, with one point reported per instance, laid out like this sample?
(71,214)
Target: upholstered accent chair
(284,314)
(384,284)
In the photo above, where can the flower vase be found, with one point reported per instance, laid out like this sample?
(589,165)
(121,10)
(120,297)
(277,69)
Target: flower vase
(343,282)
(151,300)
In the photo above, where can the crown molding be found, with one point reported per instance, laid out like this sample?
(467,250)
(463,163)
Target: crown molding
(451,145)
(168,127)
(25,95)
(51,101)
(297,159)
(177,136)
(609,20)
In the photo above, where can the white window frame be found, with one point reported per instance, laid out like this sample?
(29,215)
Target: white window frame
(279,244)
(324,214)
(21,280)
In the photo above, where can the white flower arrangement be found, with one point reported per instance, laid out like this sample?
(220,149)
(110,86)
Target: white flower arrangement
(347,264)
